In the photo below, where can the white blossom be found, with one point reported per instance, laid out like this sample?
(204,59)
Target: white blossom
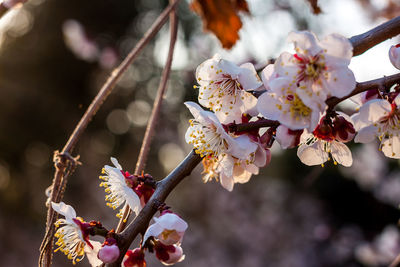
(318,68)
(169,229)
(223,87)
(380,118)
(72,240)
(117,189)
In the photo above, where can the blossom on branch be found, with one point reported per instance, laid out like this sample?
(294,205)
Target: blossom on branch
(73,236)
(283,103)
(227,158)
(117,186)
(169,229)
(168,254)
(223,87)
(380,118)
(318,68)
(316,147)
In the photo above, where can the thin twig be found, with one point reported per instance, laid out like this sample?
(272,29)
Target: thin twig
(151,125)
(253,125)
(59,177)
(164,187)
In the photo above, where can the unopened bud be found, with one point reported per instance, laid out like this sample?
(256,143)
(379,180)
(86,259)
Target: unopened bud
(394,55)
(109,252)
(169,254)
(134,258)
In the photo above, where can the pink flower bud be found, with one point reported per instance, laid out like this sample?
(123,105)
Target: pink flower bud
(394,55)
(344,130)
(109,252)
(169,254)
(134,258)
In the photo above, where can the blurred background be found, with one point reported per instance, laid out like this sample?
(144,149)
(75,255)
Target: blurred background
(54,57)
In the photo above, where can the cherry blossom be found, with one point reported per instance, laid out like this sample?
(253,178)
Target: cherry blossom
(318,68)
(169,229)
(380,118)
(316,146)
(223,87)
(209,137)
(394,55)
(117,187)
(282,103)
(73,236)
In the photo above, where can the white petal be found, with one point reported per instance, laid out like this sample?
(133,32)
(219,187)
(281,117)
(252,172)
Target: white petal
(313,154)
(267,74)
(338,47)
(244,146)
(305,41)
(226,182)
(241,174)
(285,66)
(391,147)
(116,164)
(283,137)
(154,230)
(230,68)
(341,154)
(194,108)
(92,253)
(66,210)
(340,82)
(366,134)
(133,200)
(267,106)
(115,174)
(260,158)
(248,77)
(374,110)
(172,221)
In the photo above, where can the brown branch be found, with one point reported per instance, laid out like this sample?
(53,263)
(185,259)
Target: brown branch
(253,125)
(151,125)
(365,41)
(164,187)
(60,178)
(385,82)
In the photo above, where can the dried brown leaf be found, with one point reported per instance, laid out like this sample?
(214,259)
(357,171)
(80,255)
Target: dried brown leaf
(221,18)
(315,7)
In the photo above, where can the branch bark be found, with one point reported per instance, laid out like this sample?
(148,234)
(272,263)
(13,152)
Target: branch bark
(369,39)
(60,179)
(164,187)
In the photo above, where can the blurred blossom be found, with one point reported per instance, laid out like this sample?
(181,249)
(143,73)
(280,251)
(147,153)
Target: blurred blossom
(37,154)
(117,121)
(369,166)
(86,49)
(15,23)
(76,40)
(102,142)
(389,190)
(170,155)
(108,58)
(4,176)
(139,112)
(382,250)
